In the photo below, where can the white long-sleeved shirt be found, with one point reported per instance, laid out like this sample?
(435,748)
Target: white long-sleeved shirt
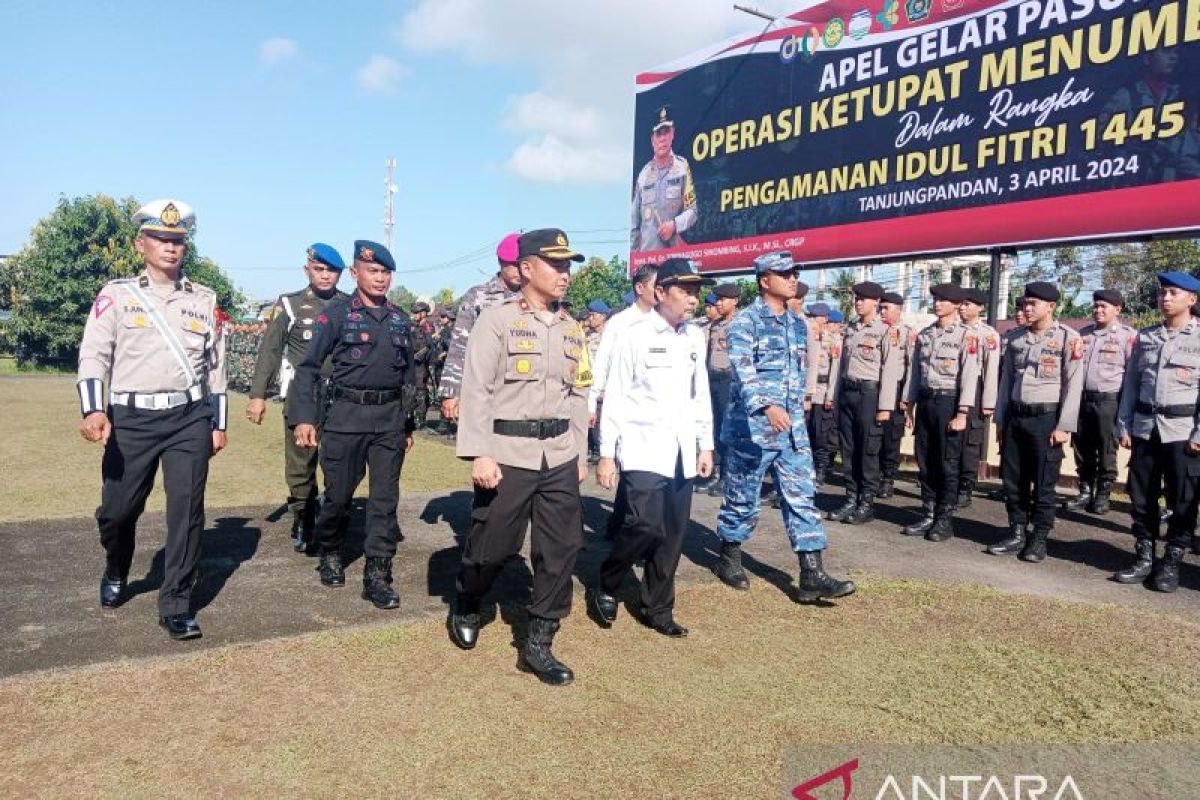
(656,404)
(604,353)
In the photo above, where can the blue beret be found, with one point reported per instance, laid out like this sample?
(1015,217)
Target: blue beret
(818,310)
(319,251)
(835,315)
(599,307)
(373,253)
(710,299)
(1181,280)
(628,298)
(774,262)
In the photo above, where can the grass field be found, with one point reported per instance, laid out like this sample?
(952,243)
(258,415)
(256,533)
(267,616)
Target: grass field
(398,712)
(50,472)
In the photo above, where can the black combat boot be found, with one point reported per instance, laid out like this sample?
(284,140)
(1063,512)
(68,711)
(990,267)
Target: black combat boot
(1099,504)
(1166,572)
(729,566)
(887,488)
(921,526)
(966,491)
(845,510)
(1034,550)
(1143,563)
(815,583)
(1081,500)
(536,656)
(863,512)
(300,532)
(1195,544)
(1014,543)
(702,485)
(464,621)
(943,525)
(377,584)
(820,475)
(330,569)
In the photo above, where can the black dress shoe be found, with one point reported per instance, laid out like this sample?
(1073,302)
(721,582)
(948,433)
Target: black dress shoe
(669,628)
(111,590)
(603,604)
(180,626)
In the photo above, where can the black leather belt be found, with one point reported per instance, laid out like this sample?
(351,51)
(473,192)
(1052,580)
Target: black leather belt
(853,384)
(928,394)
(1030,409)
(822,379)
(531,428)
(365,397)
(1096,396)
(1166,411)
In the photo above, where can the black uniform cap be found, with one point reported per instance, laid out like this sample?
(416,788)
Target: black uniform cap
(868,289)
(1041,290)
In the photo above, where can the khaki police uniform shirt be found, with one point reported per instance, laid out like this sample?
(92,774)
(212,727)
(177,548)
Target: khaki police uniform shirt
(943,362)
(907,336)
(1164,370)
(824,355)
(662,195)
(1106,353)
(122,347)
(1044,368)
(524,364)
(718,345)
(984,342)
(872,352)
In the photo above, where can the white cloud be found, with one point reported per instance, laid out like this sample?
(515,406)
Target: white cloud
(381,74)
(274,51)
(585,55)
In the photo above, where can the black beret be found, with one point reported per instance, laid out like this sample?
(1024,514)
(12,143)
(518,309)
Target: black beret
(976,296)
(947,291)
(868,289)
(1108,296)
(373,253)
(1041,290)
(728,290)
(892,297)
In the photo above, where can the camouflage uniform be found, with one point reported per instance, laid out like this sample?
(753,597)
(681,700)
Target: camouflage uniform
(477,298)
(768,354)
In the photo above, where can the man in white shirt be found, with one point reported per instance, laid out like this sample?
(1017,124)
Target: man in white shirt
(657,424)
(642,305)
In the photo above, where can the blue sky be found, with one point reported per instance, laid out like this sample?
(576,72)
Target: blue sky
(274,121)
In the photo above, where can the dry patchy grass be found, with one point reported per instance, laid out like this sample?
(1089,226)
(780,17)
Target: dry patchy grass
(51,473)
(397,711)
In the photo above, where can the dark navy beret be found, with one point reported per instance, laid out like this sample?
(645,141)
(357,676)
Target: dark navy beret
(599,307)
(947,291)
(1111,296)
(976,296)
(728,290)
(373,253)
(817,310)
(892,297)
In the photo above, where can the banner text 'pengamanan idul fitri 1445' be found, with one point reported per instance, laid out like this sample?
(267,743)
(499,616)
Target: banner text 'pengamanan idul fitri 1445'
(873,129)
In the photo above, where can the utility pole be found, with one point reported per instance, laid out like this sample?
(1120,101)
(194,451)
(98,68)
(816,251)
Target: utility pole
(388,206)
(754,12)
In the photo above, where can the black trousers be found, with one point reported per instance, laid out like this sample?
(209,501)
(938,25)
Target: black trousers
(889,449)
(861,437)
(1095,442)
(938,450)
(972,448)
(545,500)
(719,382)
(300,472)
(593,434)
(1167,470)
(823,435)
(654,524)
(1030,467)
(181,440)
(345,457)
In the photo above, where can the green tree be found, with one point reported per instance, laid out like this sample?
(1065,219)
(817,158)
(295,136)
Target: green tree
(842,283)
(445,299)
(599,280)
(81,245)
(402,297)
